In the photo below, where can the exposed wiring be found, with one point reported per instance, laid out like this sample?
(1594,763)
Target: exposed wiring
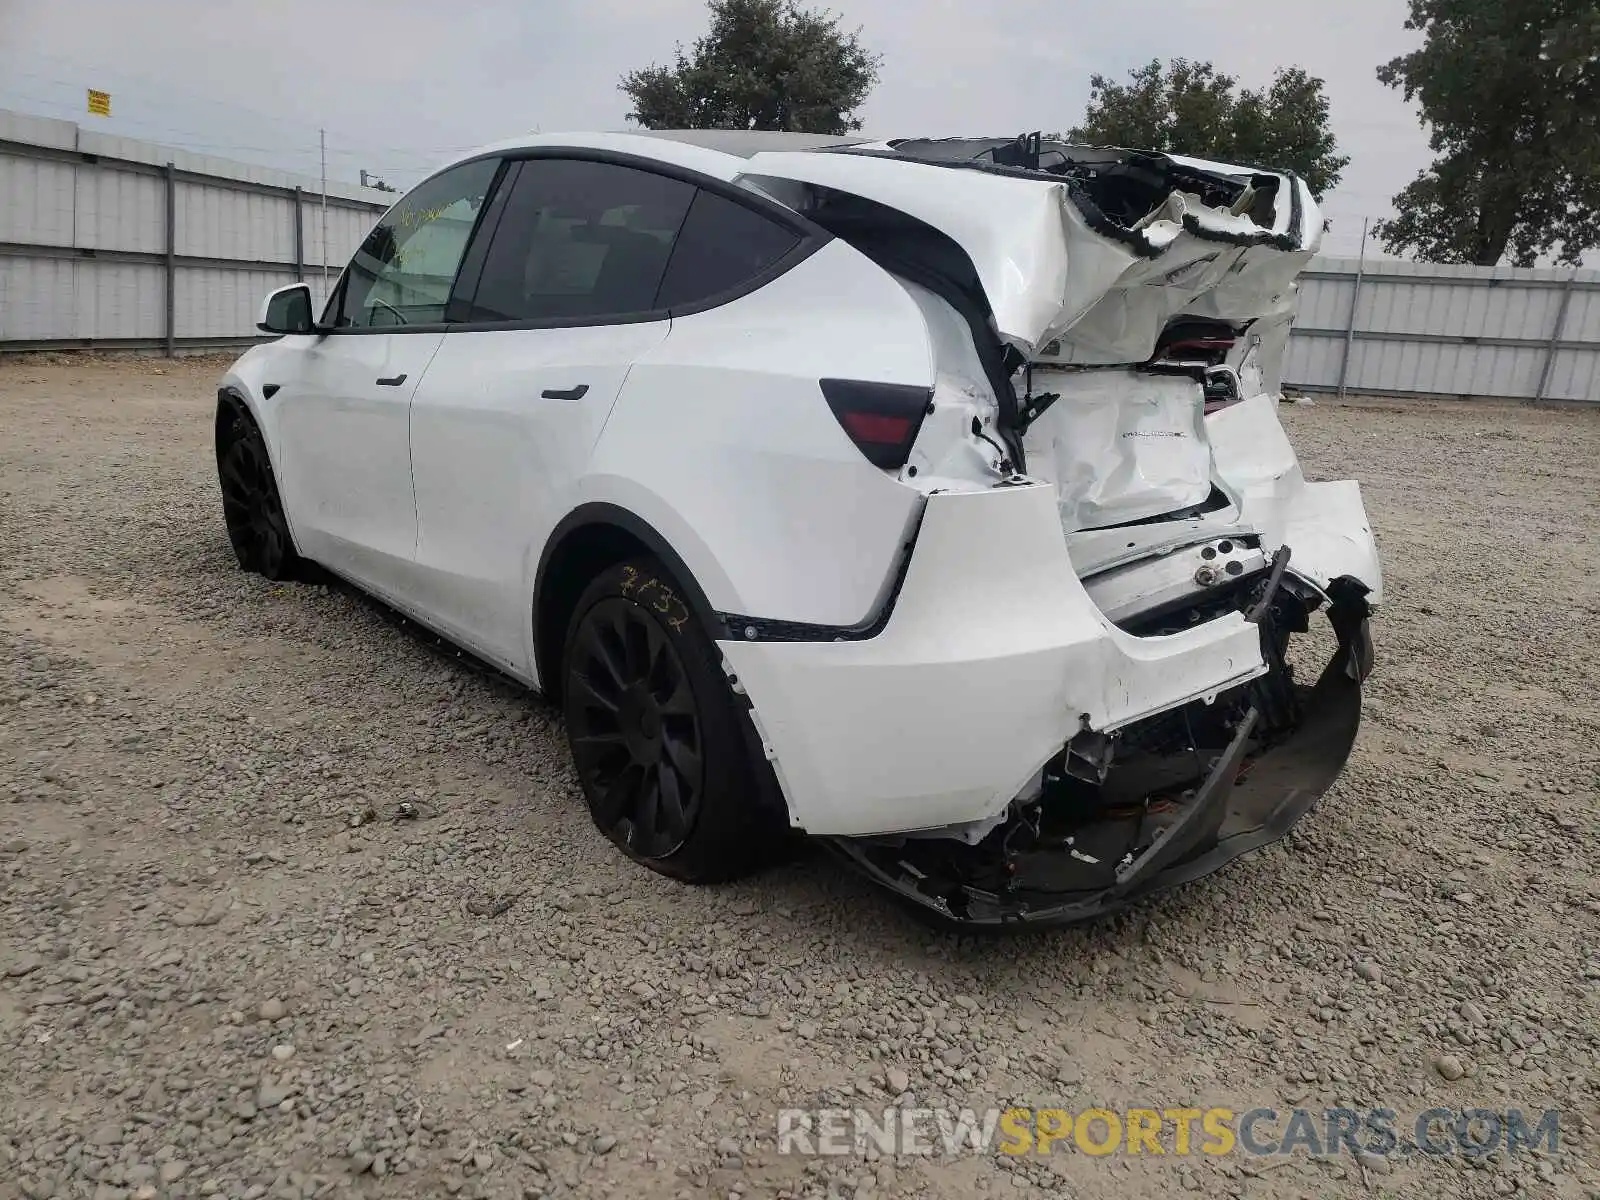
(1004,465)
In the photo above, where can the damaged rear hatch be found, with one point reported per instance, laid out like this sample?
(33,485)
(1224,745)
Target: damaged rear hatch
(1117,279)
(1083,254)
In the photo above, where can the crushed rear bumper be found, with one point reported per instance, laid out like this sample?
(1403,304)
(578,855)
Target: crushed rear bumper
(1253,794)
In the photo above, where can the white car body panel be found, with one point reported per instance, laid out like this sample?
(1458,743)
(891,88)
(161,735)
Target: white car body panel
(342,449)
(945,455)
(764,497)
(1120,446)
(1019,233)
(1325,524)
(992,658)
(496,464)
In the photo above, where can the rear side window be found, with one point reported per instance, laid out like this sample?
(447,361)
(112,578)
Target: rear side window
(723,245)
(580,240)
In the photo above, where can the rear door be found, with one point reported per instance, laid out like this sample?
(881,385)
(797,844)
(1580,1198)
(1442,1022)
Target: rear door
(342,414)
(516,397)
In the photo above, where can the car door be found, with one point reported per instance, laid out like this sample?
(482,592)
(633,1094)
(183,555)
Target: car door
(516,397)
(342,411)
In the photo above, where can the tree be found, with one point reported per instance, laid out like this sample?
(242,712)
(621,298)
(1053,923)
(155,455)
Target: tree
(764,64)
(1511,89)
(1192,108)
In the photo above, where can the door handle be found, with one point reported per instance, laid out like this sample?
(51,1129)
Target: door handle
(574,393)
(393,380)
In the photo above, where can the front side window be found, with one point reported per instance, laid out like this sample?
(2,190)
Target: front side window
(580,240)
(403,273)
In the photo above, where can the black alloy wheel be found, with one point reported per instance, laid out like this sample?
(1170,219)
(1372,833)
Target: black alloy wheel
(251,506)
(635,733)
(656,731)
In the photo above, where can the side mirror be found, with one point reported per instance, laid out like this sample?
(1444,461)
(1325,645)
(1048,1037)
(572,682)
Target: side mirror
(287,310)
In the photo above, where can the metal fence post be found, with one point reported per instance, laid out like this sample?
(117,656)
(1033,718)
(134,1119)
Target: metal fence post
(1555,335)
(172,260)
(299,235)
(1355,301)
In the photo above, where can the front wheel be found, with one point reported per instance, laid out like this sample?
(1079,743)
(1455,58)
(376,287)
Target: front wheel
(655,732)
(251,506)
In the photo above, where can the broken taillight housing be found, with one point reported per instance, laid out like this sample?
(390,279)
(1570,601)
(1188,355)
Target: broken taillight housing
(882,419)
(1202,346)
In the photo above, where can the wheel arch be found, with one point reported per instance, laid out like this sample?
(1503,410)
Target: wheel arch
(231,401)
(235,399)
(591,537)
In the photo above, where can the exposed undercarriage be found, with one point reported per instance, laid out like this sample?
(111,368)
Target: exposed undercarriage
(1164,800)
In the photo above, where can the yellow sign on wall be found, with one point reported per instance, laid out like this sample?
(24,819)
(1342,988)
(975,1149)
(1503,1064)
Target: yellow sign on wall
(99,103)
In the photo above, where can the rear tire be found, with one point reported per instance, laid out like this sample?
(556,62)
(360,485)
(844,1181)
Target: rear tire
(655,733)
(251,506)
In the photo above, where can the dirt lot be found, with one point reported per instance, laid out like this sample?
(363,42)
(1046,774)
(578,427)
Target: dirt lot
(227,968)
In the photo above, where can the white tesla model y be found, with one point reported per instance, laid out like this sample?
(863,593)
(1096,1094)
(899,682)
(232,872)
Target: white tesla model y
(926,496)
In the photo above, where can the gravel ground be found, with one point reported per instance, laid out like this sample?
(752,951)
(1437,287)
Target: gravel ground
(228,968)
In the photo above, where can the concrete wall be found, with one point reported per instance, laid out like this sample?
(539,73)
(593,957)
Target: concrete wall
(111,242)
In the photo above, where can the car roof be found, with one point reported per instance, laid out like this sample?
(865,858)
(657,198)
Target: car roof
(720,153)
(747,142)
(723,153)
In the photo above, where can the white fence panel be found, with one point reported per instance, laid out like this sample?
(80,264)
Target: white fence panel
(1429,329)
(109,241)
(118,210)
(346,229)
(36,200)
(215,302)
(38,298)
(214,221)
(119,301)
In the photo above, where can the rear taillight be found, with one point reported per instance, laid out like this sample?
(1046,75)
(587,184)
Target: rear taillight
(882,419)
(1199,347)
(1203,348)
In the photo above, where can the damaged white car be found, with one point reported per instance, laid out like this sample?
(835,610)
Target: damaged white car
(926,496)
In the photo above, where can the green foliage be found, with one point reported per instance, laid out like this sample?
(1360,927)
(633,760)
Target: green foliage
(1511,90)
(764,64)
(1192,108)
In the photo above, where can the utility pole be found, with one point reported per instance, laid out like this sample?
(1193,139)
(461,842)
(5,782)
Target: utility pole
(322,135)
(1355,299)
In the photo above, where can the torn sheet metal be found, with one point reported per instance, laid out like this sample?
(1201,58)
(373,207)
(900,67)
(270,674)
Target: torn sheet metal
(1065,281)
(1120,446)
(1021,234)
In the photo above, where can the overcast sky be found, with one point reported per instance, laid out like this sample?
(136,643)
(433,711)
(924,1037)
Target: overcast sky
(402,84)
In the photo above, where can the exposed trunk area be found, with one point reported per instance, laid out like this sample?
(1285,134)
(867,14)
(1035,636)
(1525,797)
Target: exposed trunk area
(1121,446)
